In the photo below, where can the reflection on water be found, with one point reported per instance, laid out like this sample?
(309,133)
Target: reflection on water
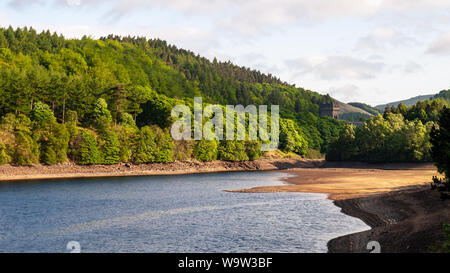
(186,213)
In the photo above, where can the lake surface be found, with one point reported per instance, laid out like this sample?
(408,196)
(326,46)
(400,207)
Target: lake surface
(185,213)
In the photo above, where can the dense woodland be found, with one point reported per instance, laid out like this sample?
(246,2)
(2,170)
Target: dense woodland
(401,134)
(109,100)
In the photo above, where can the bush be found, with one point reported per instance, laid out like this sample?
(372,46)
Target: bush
(26,151)
(4,157)
(313,154)
(253,149)
(145,146)
(127,136)
(440,152)
(111,149)
(444,246)
(85,149)
(205,150)
(42,113)
(183,150)
(54,144)
(48,156)
(71,123)
(164,146)
(101,116)
(232,150)
(292,138)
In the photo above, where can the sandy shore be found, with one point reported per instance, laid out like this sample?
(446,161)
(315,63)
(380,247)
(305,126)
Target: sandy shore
(395,200)
(34,172)
(345,183)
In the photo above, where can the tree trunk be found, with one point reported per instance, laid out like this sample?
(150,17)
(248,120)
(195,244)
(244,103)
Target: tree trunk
(63,110)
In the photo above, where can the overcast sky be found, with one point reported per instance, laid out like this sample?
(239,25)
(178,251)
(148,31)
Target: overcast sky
(371,51)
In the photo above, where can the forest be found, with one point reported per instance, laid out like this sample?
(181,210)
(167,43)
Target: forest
(108,100)
(401,134)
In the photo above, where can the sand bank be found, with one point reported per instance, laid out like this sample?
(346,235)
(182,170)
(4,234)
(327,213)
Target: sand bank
(345,183)
(394,199)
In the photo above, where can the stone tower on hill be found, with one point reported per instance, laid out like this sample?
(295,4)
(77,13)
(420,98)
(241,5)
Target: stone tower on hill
(329,109)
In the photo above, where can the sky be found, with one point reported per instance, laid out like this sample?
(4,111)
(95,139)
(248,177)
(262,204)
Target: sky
(371,51)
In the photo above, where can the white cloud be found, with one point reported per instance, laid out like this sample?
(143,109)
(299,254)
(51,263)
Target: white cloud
(336,67)
(345,93)
(381,39)
(251,17)
(23,3)
(73,2)
(412,67)
(4,19)
(441,45)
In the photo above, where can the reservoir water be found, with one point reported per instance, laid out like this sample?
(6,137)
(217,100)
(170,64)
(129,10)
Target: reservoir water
(183,213)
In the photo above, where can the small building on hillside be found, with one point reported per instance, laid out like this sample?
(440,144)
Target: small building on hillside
(329,109)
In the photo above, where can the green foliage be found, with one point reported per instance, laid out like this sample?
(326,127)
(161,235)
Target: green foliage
(383,139)
(440,151)
(444,246)
(144,151)
(183,150)
(157,111)
(292,138)
(344,148)
(85,149)
(164,146)
(20,144)
(71,123)
(313,154)
(127,136)
(126,119)
(4,157)
(424,111)
(112,84)
(205,150)
(232,151)
(41,112)
(444,94)
(51,136)
(25,150)
(365,107)
(138,77)
(54,144)
(101,116)
(253,149)
(111,153)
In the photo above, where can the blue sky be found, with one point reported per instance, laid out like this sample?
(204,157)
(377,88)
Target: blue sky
(372,51)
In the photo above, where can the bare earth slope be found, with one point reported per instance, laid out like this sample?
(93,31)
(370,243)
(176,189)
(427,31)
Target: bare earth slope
(402,221)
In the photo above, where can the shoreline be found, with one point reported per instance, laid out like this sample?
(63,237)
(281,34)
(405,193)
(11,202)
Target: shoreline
(9,173)
(345,183)
(403,221)
(393,199)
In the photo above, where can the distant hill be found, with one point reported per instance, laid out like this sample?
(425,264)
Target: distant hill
(365,107)
(408,102)
(351,113)
(444,94)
